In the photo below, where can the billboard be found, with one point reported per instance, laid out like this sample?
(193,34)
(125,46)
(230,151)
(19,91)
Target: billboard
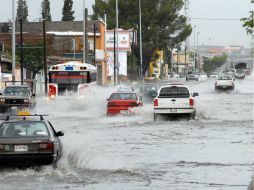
(122,62)
(123,40)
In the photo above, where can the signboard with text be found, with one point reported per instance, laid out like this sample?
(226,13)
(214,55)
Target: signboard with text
(123,40)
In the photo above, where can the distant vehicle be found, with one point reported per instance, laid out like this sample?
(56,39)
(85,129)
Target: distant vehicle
(175,99)
(224,82)
(26,142)
(192,75)
(16,96)
(240,73)
(69,77)
(203,76)
(230,72)
(148,91)
(123,101)
(214,75)
(173,75)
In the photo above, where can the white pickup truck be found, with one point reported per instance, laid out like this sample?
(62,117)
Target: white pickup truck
(175,99)
(224,82)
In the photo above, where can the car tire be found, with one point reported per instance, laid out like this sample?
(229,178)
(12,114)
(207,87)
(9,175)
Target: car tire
(155,117)
(193,115)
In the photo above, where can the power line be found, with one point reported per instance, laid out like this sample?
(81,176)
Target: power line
(218,19)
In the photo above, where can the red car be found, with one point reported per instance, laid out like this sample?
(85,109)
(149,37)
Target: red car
(122,101)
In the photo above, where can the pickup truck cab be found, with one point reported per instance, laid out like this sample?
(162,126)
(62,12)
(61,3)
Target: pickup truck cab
(175,99)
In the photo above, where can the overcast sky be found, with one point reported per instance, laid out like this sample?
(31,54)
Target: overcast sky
(212,32)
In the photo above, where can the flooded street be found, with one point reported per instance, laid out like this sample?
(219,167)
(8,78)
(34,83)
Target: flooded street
(212,152)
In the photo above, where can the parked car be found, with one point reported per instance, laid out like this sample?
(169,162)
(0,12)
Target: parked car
(240,74)
(224,82)
(123,101)
(192,75)
(25,141)
(175,99)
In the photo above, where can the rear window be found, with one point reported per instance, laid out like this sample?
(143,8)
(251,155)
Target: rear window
(174,91)
(226,77)
(123,96)
(23,129)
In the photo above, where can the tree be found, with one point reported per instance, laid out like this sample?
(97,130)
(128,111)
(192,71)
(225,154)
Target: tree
(248,23)
(22,11)
(162,26)
(33,58)
(210,64)
(45,10)
(67,11)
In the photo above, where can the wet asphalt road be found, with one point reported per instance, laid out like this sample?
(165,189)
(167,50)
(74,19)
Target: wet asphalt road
(132,152)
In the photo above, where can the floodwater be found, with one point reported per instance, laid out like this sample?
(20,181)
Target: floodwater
(132,152)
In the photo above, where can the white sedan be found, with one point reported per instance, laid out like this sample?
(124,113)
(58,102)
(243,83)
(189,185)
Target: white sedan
(224,82)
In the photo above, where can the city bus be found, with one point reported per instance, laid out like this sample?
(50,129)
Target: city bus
(69,77)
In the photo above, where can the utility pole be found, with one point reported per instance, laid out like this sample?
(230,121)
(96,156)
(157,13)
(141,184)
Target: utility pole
(94,44)
(117,53)
(13,41)
(21,51)
(140,42)
(45,58)
(132,52)
(86,37)
(114,56)
(84,31)
(186,49)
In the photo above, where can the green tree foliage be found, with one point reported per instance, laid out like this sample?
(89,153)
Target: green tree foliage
(248,23)
(213,63)
(67,11)
(163,28)
(22,11)
(45,10)
(33,58)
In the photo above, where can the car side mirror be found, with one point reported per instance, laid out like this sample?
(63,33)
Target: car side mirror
(195,94)
(59,133)
(1,93)
(107,99)
(33,94)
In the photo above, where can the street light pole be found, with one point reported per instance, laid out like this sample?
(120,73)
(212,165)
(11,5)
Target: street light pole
(197,52)
(194,46)
(117,55)
(21,51)
(84,31)
(13,41)
(140,42)
(45,58)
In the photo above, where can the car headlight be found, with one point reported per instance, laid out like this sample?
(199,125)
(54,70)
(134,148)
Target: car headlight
(2,100)
(26,101)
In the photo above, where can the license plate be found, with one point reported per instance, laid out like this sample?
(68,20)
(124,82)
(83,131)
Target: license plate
(20,148)
(173,110)
(14,107)
(224,86)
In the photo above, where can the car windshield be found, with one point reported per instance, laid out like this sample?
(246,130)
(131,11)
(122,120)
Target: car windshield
(123,96)
(225,77)
(23,129)
(17,91)
(150,88)
(174,91)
